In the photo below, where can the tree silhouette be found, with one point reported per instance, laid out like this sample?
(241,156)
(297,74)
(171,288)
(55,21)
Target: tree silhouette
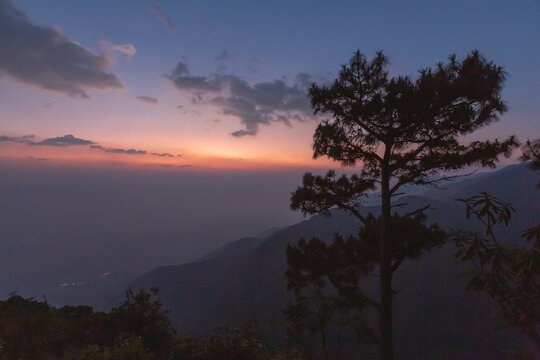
(337,313)
(402,132)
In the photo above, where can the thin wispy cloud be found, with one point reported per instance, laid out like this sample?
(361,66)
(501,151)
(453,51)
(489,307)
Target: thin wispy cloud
(147,99)
(119,150)
(60,141)
(70,140)
(166,155)
(162,16)
(27,139)
(126,49)
(44,57)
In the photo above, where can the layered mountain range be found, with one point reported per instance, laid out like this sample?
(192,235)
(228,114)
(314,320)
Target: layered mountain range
(435,317)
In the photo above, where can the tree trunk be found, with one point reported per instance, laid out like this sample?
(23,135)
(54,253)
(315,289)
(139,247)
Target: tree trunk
(385,313)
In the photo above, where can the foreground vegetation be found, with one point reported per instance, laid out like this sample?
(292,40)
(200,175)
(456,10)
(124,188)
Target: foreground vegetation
(139,329)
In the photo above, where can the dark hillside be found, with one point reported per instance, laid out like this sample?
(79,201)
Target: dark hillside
(449,323)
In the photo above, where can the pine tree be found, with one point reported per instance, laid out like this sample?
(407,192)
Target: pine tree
(401,131)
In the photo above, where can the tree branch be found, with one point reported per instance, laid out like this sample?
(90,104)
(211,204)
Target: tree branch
(356,298)
(397,263)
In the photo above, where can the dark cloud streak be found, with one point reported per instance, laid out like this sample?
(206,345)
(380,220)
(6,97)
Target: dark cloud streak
(119,151)
(147,99)
(162,16)
(21,140)
(165,155)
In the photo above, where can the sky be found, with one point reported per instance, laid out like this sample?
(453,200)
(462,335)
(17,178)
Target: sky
(184,85)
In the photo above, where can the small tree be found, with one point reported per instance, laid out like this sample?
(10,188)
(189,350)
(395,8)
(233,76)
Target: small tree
(402,131)
(141,318)
(509,274)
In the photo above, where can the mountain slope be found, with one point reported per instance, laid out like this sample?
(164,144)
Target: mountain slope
(448,322)
(233,248)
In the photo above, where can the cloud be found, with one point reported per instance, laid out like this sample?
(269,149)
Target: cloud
(126,49)
(131,151)
(37,159)
(22,139)
(165,155)
(119,151)
(160,14)
(61,141)
(66,140)
(70,140)
(254,104)
(240,133)
(224,56)
(44,57)
(180,69)
(47,105)
(147,99)
(182,79)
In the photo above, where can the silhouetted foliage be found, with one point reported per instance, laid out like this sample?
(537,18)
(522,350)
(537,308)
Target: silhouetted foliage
(509,274)
(225,343)
(531,154)
(403,131)
(138,329)
(143,317)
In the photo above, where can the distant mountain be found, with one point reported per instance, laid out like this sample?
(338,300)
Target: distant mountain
(234,248)
(241,245)
(435,318)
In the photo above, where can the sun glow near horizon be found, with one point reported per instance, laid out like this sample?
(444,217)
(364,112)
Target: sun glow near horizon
(213,99)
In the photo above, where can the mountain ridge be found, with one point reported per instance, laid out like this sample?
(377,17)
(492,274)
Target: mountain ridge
(229,290)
